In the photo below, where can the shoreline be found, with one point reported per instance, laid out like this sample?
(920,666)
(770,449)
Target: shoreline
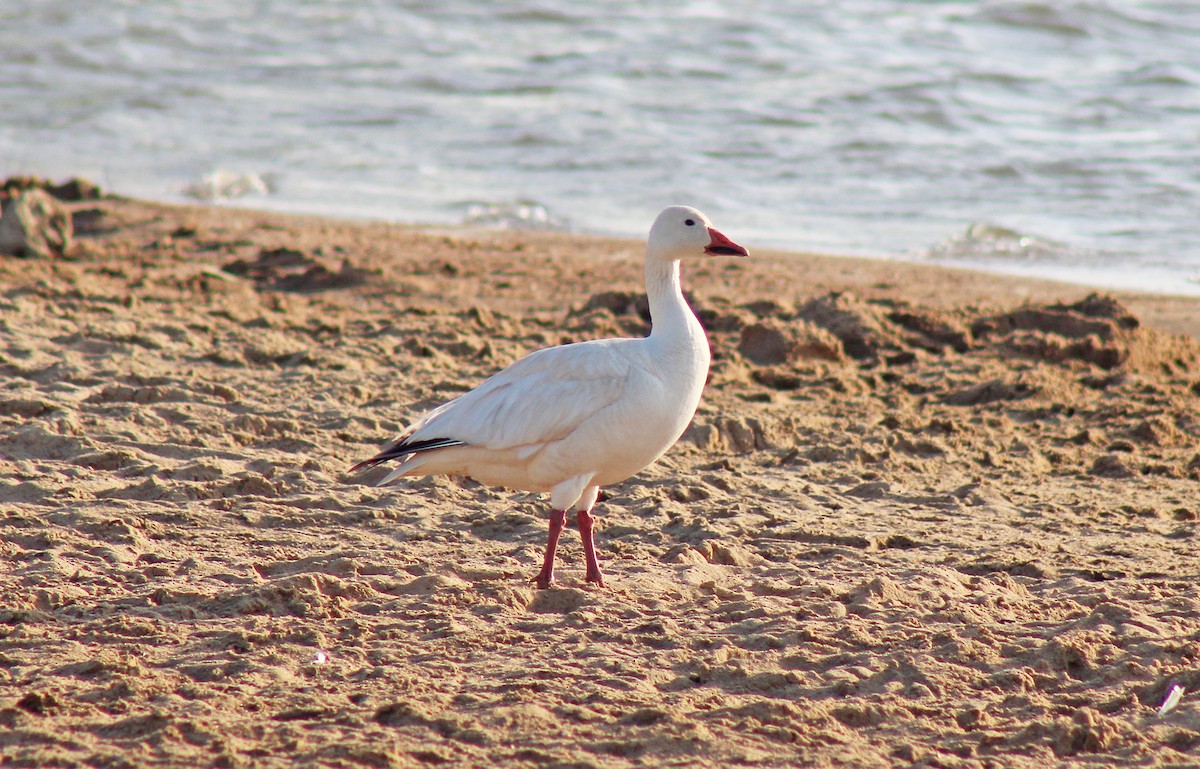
(1096,280)
(1169,311)
(1103,280)
(1106,280)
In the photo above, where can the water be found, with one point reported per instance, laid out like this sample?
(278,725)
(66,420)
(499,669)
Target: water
(1046,138)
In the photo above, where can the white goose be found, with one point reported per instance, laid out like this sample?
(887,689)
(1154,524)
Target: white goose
(571,419)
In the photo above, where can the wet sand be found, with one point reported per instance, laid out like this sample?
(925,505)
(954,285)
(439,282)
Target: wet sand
(923,517)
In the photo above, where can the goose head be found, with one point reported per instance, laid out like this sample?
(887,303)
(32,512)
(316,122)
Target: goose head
(682,231)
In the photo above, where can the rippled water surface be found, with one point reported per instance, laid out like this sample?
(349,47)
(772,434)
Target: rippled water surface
(1049,138)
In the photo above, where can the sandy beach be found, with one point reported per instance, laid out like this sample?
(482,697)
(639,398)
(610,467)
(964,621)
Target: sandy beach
(923,517)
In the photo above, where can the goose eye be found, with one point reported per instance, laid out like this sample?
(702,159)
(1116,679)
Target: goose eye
(690,222)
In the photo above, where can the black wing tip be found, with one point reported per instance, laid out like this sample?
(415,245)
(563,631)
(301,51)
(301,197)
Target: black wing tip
(404,449)
(429,444)
(378,459)
(366,463)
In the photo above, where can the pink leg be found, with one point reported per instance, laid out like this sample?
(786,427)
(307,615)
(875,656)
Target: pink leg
(586,523)
(545,577)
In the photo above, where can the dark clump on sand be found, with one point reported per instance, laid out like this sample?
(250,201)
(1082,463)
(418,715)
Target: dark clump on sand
(923,517)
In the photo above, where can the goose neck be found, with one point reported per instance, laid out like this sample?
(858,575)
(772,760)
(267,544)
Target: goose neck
(669,313)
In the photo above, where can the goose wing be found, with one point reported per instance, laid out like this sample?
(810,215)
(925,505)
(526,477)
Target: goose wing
(541,398)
